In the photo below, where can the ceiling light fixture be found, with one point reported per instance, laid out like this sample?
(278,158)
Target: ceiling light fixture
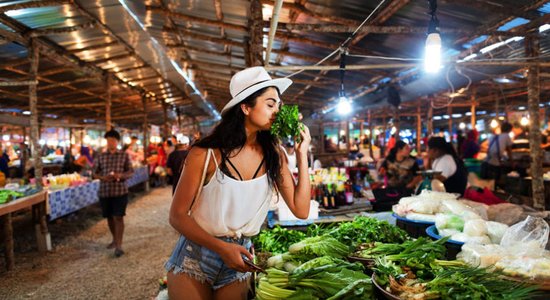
(432,55)
(344,104)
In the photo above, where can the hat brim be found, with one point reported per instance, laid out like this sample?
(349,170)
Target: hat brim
(280,83)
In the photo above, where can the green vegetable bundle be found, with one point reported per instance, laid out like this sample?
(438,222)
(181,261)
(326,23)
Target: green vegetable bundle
(276,240)
(8,195)
(320,278)
(366,230)
(287,124)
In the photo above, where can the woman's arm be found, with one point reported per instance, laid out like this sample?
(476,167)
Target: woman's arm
(297,196)
(186,191)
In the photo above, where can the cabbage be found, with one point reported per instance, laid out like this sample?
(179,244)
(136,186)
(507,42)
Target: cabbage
(449,221)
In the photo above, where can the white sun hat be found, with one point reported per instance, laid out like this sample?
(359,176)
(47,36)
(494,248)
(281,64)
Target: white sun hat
(244,83)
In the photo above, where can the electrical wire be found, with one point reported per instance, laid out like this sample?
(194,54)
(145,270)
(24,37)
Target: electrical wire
(345,43)
(385,57)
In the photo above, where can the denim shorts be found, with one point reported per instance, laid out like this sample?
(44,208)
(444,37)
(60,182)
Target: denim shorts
(204,264)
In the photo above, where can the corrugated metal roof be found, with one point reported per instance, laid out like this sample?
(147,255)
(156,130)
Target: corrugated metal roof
(135,41)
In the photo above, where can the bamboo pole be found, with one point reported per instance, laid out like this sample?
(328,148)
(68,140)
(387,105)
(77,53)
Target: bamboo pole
(108,125)
(272,29)
(450,121)
(7,232)
(18,83)
(348,144)
(145,126)
(35,130)
(532,48)
(253,47)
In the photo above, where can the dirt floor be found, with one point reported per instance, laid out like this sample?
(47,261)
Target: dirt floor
(80,267)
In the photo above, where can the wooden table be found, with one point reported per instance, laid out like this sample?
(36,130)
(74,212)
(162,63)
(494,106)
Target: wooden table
(38,204)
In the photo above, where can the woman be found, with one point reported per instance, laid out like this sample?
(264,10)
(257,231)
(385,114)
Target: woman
(242,165)
(400,168)
(470,147)
(443,158)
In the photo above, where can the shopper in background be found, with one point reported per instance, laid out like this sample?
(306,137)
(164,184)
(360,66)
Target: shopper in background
(113,168)
(443,158)
(175,160)
(4,160)
(470,147)
(499,154)
(241,164)
(400,167)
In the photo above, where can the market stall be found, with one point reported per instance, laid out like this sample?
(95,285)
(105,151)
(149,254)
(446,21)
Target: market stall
(141,174)
(38,203)
(68,200)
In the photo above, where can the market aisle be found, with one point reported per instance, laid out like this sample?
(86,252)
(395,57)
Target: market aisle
(81,268)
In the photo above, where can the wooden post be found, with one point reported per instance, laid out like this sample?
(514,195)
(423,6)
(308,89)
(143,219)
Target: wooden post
(7,232)
(371,133)
(473,114)
(396,122)
(361,133)
(42,234)
(418,128)
(145,135)
(108,101)
(166,131)
(532,49)
(385,128)
(430,118)
(35,130)
(348,144)
(254,44)
(450,121)
(322,129)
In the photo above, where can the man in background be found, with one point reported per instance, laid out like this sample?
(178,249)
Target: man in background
(113,168)
(174,163)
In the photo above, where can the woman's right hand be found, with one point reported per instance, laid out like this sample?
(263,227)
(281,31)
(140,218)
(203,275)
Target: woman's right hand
(232,256)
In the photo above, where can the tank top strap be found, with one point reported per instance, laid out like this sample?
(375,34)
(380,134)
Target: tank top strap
(214,157)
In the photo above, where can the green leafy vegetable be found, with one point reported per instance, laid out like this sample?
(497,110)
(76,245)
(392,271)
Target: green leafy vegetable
(320,246)
(277,239)
(287,124)
(366,230)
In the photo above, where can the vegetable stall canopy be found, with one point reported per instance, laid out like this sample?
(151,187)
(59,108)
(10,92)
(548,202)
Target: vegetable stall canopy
(181,54)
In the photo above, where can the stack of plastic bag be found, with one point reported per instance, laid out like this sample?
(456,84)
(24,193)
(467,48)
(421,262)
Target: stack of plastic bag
(521,251)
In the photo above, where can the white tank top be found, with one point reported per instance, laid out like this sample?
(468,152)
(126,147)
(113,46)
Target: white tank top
(230,207)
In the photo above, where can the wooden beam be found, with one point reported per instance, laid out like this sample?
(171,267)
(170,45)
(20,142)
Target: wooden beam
(64,83)
(532,49)
(195,20)
(298,8)
(62,30)
(379,29)
(18,83)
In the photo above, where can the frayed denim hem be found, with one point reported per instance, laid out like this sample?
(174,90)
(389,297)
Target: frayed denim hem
(244,277)
(176,270)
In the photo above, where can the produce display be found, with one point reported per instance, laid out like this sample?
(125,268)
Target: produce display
(63,181)
(313,265)
(9,195)
(287,124)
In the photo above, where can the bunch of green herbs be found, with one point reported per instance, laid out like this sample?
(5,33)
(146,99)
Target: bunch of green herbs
(287,123)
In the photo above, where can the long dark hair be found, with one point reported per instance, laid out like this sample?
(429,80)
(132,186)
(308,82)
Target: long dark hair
(437,142)
(230,134)
(393,152)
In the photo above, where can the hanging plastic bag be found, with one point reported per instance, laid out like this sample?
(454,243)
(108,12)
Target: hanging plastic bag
(528,237)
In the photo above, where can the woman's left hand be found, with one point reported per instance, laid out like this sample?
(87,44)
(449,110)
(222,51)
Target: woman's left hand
(305,137)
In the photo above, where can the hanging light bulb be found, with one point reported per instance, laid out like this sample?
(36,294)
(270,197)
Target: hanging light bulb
(462,125)
(494,123)
(524,121)
(432,55)
(344,106)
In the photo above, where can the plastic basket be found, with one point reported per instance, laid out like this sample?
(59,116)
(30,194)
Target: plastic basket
(453,247)
(414,228)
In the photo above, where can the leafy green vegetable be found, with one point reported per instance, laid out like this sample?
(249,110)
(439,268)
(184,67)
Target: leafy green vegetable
(476,283)
(366,230)
(356,290)
(277,239)
(287,124)
(320,246)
